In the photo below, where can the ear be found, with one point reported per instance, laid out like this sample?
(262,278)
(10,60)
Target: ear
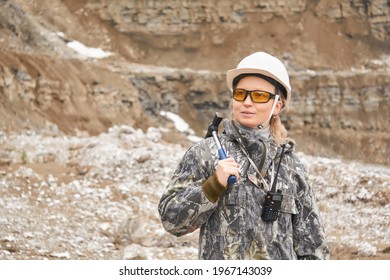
(279,107)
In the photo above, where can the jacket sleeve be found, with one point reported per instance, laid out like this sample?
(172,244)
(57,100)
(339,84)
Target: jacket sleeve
(309,236)
(183,206)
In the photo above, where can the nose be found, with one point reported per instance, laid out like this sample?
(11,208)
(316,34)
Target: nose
(248,100)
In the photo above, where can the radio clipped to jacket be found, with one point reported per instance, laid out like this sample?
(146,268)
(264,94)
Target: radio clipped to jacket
(273,199)
(271,206)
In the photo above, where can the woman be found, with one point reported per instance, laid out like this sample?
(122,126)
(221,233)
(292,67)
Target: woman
(270,212)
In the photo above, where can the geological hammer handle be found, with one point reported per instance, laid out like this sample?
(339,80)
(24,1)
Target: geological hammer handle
(222,155)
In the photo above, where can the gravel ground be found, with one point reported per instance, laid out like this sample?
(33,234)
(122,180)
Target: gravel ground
(95,197)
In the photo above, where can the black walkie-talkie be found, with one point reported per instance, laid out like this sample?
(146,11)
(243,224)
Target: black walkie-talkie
(271,206)
(273,199)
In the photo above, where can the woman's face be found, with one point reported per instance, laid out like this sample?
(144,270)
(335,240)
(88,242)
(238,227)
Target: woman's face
(251,114)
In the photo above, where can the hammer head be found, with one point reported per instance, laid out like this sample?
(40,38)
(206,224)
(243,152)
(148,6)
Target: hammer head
(214,125)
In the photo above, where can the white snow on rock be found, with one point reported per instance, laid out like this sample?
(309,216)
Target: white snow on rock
(88,52)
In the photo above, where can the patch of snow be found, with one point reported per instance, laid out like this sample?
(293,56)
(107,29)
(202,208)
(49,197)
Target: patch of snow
(87,51)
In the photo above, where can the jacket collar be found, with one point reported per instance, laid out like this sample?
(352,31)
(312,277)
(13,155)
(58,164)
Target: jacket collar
(249,139)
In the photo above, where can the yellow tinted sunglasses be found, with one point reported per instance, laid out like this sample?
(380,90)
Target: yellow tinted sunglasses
(257,96)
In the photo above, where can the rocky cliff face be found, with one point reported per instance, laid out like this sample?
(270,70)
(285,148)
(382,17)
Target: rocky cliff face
(208,35)
(172,56)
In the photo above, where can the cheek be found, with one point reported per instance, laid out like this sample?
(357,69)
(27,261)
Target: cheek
(235,105)
(263,107)
(235,109)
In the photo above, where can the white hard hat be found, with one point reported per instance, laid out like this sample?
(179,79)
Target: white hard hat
(261,63)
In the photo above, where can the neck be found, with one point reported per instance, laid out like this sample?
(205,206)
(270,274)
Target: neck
(263,133)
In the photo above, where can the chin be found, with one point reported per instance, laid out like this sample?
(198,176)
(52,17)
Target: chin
(249,124)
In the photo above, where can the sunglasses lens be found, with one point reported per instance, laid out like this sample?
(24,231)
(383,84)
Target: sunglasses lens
(260,96)
(239,94)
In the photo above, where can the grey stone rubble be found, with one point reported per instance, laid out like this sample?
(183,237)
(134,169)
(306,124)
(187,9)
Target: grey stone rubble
(95,197)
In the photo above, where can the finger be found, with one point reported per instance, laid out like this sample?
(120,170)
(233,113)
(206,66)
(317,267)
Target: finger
(228,170)
(233,171)
(229,159)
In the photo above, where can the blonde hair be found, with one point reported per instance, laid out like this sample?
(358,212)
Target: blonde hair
(278,131)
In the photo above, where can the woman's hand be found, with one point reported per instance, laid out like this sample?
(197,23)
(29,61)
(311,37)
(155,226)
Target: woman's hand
(225,168)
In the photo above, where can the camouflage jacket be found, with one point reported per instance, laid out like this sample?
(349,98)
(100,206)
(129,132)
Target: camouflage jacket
(232,228)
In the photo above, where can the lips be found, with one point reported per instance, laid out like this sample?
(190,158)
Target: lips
(247,113)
